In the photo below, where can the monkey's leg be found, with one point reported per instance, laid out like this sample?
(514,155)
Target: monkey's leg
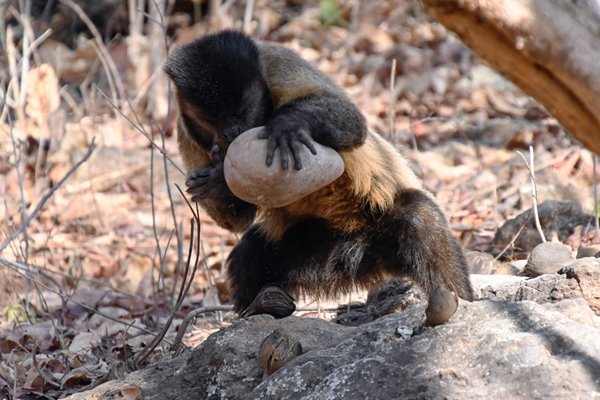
(414,239)
(309,258)
(248,267)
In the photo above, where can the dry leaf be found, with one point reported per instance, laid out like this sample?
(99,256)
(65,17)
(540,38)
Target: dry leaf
(42,94)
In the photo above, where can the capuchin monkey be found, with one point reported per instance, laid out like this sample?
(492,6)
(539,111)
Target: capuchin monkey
(373,223)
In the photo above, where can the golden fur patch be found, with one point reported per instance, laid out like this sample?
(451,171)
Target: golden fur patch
(374,173)
(290,76)
(193,156)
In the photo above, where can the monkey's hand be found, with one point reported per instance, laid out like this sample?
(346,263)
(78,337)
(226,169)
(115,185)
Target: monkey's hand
(287,132)
(208,182)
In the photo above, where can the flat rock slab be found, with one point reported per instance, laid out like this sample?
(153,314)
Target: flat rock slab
(488,349)
(542,289)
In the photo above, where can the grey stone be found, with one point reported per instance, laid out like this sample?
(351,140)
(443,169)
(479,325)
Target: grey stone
(589,251)
(586,272)
(548,258)
(479,262)
(488,349)
(543,289)
(251,180)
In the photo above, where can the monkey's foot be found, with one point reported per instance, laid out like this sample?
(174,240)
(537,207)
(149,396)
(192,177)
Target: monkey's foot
(271,300)
(442,305)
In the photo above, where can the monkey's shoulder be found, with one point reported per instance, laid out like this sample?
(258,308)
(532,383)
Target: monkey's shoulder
(289,76)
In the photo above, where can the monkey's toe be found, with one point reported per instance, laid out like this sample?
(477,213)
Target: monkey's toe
(271,300)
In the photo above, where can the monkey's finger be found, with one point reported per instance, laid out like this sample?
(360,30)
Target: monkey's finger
(272,144)
(305,139)
(296,151)
(284,156)
(193,190)
(215,154)
(198,172)
(197,180)
(264,134)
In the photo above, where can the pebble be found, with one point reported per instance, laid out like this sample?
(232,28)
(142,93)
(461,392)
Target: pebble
(548,258)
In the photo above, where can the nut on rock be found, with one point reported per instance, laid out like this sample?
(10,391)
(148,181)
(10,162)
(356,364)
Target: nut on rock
(249,178)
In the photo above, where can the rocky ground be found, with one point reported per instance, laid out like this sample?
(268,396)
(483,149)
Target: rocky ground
(528,338)
(85,288)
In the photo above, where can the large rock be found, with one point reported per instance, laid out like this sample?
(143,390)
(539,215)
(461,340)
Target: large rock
(488,349)
(586,272)
(543,289)
(558,218)
(251,180)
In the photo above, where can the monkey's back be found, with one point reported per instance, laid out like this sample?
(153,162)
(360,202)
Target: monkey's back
(374,174)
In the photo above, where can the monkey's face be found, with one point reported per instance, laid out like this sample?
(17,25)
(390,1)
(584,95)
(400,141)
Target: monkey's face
(245,110)
(218,118)
(220,88)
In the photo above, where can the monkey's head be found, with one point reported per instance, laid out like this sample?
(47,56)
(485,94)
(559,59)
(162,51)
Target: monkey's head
(220,87)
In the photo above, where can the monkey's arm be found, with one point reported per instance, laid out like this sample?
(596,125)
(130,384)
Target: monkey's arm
(308,104)
(206,184)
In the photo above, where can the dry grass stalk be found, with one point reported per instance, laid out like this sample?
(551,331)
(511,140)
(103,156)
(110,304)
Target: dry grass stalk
(531,167)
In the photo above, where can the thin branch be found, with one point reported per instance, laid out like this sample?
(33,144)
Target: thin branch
(531,167)
(393,102)
(176,348)
(114,79)
(514,239)
(48,195)
(184,288)
(138,127)
(17,156)
(595,191)
(18,267)
(43,373)
(248,11)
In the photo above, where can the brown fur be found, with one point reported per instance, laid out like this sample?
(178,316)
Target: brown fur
(374,174)
(291,77)
(372,223)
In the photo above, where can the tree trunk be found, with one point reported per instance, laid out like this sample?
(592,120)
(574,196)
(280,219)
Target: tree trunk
(551,49)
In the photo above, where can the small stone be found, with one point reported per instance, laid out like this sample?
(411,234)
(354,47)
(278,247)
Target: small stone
(479,263)
(589,251)
(404,332)
(548,258)
(276,350)
(251,180)
(442,305)
(506,269)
